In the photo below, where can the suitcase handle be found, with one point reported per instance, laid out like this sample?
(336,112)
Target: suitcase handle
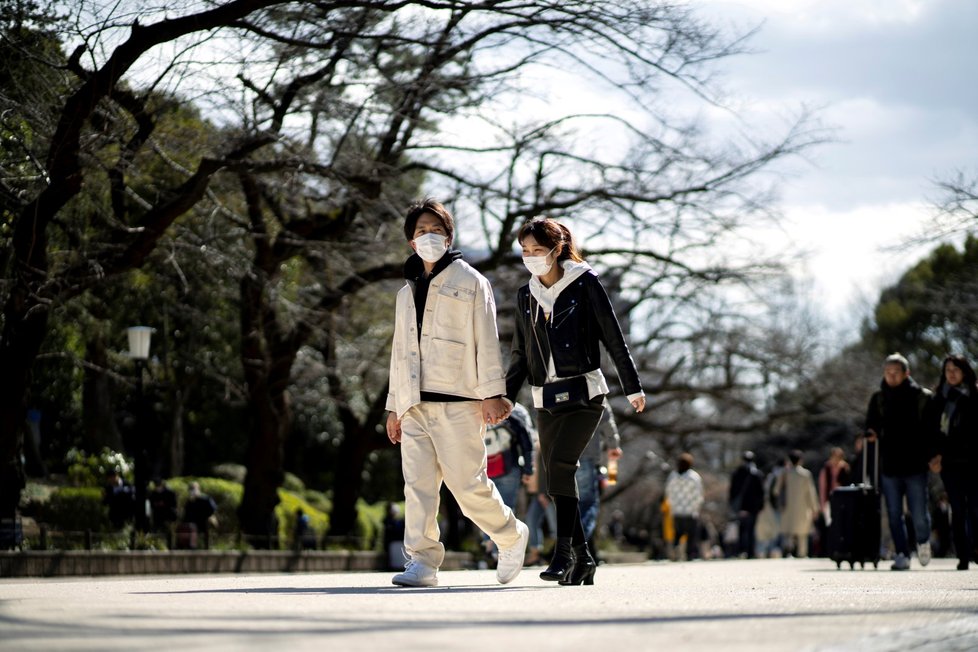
(876,461)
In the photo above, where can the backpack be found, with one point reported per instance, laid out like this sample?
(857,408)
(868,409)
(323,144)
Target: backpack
(499,445)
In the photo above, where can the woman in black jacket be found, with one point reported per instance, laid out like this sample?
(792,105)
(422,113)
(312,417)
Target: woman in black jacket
(563,314)
(957,404)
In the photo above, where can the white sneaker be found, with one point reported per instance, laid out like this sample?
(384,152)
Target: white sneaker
(416,573)
(511,559)
(923,553)
(900,563)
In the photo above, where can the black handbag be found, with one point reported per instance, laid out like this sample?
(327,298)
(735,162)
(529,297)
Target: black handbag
(566,394)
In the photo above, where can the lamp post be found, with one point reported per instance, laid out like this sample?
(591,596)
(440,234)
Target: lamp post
(139,340)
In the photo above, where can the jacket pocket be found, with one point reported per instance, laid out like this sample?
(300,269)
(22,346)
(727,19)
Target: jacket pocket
(444,364)
(454,307)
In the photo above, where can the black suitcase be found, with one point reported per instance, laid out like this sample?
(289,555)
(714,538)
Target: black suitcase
(855,529)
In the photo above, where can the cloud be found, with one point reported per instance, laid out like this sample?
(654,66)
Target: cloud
(898,81)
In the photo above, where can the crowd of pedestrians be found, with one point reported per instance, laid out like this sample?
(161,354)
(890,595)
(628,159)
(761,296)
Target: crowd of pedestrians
(191,530)
(916,436)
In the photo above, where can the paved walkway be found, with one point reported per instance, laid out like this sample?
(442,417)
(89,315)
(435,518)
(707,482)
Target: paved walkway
(717,606)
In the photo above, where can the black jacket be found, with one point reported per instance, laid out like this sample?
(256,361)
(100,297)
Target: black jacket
(582,319)
(902,417)
(746,489)
(959,446)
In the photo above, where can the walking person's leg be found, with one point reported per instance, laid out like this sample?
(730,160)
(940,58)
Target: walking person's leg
(457,433)
(563,437)
(422,483)
(917,502)
(955,484)
(893,493)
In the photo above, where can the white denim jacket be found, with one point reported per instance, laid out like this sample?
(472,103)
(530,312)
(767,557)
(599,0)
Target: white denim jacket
(458,352)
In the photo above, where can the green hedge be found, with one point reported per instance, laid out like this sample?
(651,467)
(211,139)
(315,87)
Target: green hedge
(76,509)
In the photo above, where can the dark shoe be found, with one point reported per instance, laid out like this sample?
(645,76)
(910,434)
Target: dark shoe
(562,563)
(963,564)
(584,567)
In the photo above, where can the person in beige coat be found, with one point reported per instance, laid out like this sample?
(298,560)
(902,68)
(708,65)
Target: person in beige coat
(446,384)
(799,504)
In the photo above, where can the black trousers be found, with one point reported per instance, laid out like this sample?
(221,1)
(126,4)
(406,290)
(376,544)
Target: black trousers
(961,484)
(563,437)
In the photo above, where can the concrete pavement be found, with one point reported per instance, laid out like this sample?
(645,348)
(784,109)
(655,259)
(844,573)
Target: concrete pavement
(782,604)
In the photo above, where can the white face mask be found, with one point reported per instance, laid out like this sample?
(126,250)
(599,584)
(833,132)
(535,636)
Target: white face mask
(431,247)
(538,265)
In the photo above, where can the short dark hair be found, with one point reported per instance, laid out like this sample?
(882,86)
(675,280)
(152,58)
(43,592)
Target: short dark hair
(436,208)
(685,462)
(795,456)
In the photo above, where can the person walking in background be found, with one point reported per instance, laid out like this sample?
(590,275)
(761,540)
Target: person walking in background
(684,491)
(834,473)
(539,507)
(199,509)
(746,499)
(796,493)
(563,315)
(509,460)
(446,384)
(606,444)
(119,495)
(956,410)
(163,505)
(900,417)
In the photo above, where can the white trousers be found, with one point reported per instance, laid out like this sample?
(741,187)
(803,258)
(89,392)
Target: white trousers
(444,442)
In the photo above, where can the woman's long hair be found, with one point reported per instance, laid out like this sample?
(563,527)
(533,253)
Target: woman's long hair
(551,233)
(970,379)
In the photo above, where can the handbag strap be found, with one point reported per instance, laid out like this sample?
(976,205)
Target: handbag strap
(533,327)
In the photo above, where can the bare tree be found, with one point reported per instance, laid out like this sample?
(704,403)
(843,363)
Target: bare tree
(339,112)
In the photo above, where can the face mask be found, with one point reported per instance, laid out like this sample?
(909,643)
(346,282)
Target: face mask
(431,247)
(538,265)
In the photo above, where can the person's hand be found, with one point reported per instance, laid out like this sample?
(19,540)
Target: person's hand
(393,428)
(614,453)
(935,464)
(638,403)
(495,410)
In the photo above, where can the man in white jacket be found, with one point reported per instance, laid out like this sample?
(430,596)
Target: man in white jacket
(446,383)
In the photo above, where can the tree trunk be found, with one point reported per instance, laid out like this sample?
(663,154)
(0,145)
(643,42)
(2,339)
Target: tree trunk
(348,481)
(176,448)
(98,417)
(25,324)
(267,361)
(270,421)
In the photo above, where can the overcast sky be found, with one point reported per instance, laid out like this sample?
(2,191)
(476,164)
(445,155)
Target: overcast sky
(898,79)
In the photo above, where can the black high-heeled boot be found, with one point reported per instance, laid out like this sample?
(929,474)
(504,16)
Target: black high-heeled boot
(584,567)
(562,563)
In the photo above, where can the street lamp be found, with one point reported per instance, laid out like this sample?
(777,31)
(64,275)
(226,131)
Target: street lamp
(139,339)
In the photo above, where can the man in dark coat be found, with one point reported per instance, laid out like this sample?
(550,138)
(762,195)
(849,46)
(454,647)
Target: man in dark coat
(898,418)
(199,508)
(746,501)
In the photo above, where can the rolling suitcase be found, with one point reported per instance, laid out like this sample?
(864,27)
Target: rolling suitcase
(854,532)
